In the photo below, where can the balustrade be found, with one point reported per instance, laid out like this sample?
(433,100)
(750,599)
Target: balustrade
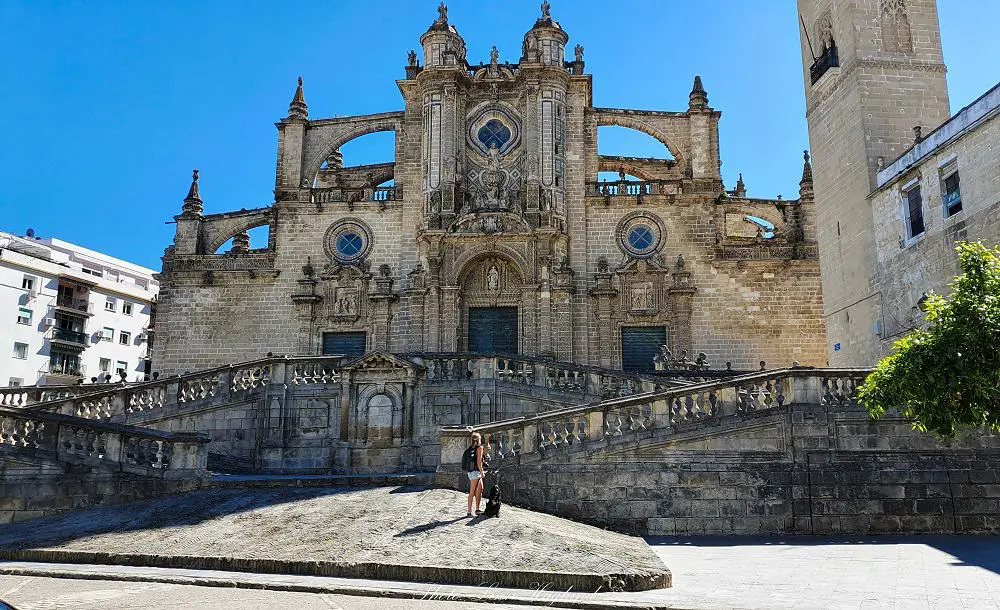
(559,378)
(128,448)
(626,415)
(251,377)
(352,195)
(146,399)
(315,372)
(198,388)
(516,371)
(448,368)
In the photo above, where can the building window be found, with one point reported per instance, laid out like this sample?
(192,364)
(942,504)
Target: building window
(640,235)
(109,305)
(125,338)
(913,211)
(105,365)
(493,134)
(21,351)
(121,367)
(107,334)
(93,272)
(28,283)
(15,382)
(23,316)
(126,308)
(142,284)
(952,192)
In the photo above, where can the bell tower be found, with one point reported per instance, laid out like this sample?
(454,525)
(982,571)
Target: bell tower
(873,71)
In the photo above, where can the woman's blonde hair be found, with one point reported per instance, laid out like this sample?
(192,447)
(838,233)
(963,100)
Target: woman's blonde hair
(477,438)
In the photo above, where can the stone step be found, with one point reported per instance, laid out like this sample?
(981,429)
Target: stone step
(377,479)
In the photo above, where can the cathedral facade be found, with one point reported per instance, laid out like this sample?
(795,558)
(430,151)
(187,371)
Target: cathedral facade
(491,232)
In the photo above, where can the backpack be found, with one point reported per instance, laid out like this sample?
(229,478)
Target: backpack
(469,459)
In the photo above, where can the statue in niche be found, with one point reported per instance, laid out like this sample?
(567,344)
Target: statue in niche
(579,52)
(412,58)
(346,304)
(494,56)
(493,279)
(493,177)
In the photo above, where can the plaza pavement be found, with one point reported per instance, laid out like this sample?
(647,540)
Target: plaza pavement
(898,572)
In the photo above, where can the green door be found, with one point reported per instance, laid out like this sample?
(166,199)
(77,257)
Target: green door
(493,330)
(639,345)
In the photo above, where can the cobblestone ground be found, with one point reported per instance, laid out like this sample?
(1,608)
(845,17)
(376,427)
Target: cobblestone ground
(403,526)
(28,593)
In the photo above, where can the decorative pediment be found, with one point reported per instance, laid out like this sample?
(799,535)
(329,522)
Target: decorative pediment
(380,361)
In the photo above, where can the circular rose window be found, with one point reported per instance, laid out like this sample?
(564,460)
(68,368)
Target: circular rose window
(347,241)
(640,235)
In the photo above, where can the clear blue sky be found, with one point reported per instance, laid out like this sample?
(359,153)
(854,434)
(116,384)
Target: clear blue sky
(108,105)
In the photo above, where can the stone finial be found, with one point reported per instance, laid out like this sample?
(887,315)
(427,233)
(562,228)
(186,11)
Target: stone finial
(298,108)
(602,264)
(546,7)
(741,188)
(680,262)
(699,97)
(384,270)
(308,270)
(241,243)
(806,184)
(411,58)
(192,203)
(578,51)
(917,136)
(442,14)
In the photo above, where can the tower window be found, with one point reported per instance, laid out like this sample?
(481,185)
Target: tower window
(913,211)
(951,193)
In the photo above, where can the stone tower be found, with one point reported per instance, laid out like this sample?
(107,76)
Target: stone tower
(873,72)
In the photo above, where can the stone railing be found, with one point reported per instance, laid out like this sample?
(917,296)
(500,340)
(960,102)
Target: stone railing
(632,188)
(131,449)
(444,368)
(228,383)
(33,394)
(677,408)
(356,195)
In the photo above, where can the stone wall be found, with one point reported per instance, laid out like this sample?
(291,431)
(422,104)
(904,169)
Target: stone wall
(34,487)
(806,470)
(862,110)
(929,261)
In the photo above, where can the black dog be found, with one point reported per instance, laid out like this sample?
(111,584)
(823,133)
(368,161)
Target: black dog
(493,503)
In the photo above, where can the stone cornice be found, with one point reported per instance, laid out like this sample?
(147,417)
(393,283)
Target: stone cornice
(828,89)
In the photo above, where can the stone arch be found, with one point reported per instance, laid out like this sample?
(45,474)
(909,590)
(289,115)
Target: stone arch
(341,137)
(215,233)
(468,261)
(629,122)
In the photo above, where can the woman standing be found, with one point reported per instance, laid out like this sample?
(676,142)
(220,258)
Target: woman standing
(472,463)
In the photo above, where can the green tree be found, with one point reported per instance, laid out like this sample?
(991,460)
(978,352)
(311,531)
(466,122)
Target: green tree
(946,377)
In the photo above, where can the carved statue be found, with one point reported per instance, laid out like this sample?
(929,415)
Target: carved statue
(442,13)
(412,58)
(602,264)
(680,262)
(621,174)
(493,176)
(384,270)
(494,56)
(545,10)
(579,52)
(493,279)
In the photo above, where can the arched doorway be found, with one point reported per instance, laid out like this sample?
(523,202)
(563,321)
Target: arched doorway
(490,299)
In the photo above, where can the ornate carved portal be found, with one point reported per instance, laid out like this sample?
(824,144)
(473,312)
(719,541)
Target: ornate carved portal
(491,281)
(641,293)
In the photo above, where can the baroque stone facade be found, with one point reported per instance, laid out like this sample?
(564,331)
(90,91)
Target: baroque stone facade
(497,235)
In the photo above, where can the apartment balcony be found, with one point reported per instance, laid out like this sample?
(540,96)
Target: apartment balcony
(70,338)
(62,373)
(74,306)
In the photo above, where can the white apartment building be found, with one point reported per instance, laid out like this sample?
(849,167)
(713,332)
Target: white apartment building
(69,314)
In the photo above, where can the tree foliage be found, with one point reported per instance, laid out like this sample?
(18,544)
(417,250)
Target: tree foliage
(946,377)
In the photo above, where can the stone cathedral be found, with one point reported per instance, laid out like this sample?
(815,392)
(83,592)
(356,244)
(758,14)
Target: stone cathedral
(492,232)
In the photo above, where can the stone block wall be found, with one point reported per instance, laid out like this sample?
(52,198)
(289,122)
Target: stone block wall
(806,470)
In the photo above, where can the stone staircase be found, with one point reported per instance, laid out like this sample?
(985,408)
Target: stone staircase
(781,451)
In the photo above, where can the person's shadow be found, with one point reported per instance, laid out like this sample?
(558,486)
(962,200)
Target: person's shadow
(416,529)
